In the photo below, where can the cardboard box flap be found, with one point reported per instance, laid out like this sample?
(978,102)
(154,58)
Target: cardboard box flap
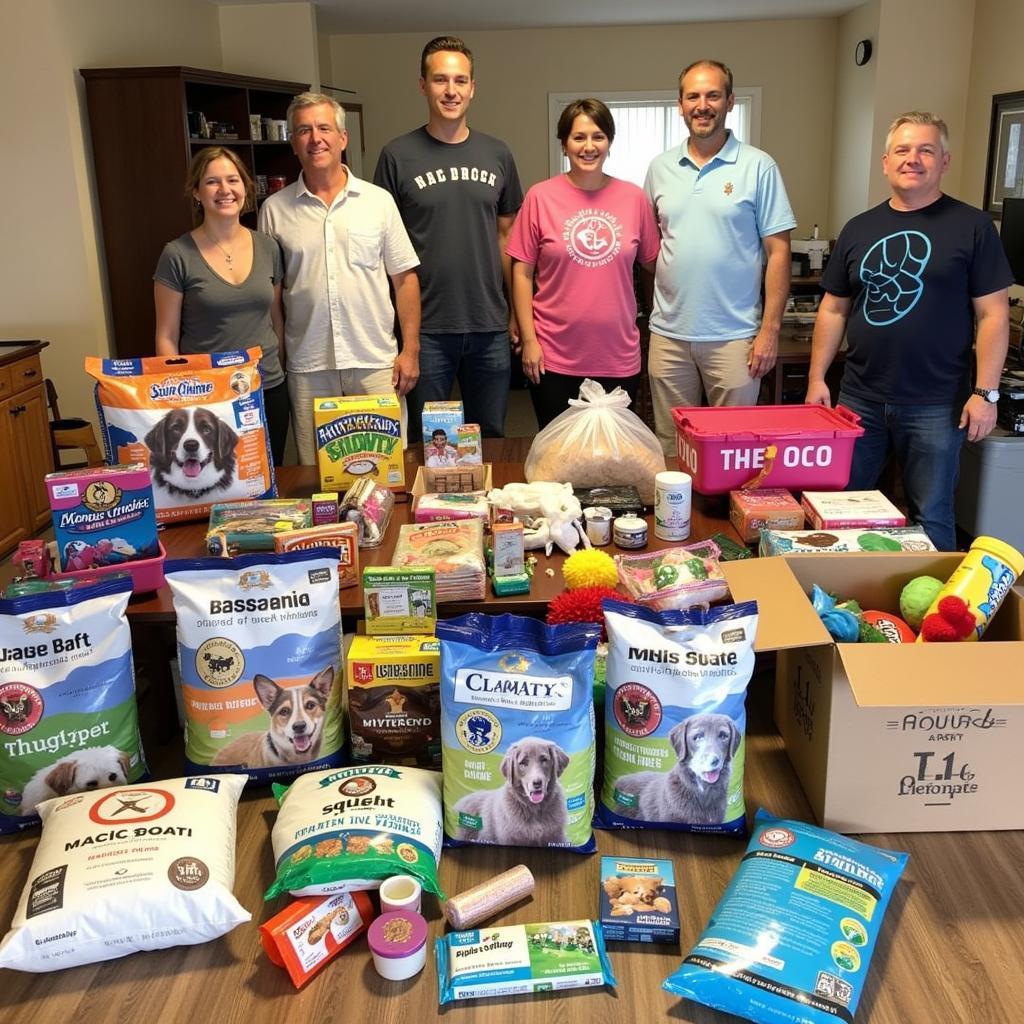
(930,675)
(785,616)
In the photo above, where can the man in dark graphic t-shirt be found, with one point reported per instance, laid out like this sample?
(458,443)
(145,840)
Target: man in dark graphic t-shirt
(458,192)
(915,282)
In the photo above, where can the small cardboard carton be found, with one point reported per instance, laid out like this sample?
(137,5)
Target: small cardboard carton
(453,480)
(891,737)
(638,901)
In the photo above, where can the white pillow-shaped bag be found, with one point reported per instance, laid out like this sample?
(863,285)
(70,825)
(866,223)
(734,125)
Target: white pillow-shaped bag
(128,868)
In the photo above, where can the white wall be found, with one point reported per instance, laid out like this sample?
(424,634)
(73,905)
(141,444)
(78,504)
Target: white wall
(515,70)
(270,41)
(853,117)
(51,265)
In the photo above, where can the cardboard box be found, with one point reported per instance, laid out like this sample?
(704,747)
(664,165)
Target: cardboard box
(772,508)
(891,737)
(456,480)
(638,900)
(359,436)
(399,601)
(849,509)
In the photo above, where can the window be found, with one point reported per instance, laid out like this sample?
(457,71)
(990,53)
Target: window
(648,123)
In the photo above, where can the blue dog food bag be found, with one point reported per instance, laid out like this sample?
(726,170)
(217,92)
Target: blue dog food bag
(517,731)
(792,938)
(68,718)
(675,718)
(259,647)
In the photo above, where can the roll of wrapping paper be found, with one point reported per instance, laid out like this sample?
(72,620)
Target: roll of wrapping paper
(488,898)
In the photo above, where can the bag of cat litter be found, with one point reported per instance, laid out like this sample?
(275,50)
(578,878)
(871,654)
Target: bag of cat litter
(345,830)
(127,869)
(517,731)
(792,938)
(259,648)
(197,421)
(675,717)
(68,718)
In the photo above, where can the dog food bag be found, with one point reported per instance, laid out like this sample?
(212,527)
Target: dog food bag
(517,731)
(522,958)
(68,720)
(127,869)
(198,421)
(675,717)
(259,647)
(345,830)
(792,938)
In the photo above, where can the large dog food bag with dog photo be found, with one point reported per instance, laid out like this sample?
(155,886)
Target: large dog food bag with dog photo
(68,718)
(259,647)
(675,719)
(791,940)
(197,421)
(127,869)
(346,830)
(517,731)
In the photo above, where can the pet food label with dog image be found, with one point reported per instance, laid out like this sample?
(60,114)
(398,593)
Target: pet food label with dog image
(198,421)
(791,940)
(259,646)
(68,719)
(517,731)
(345,830)
(126,869)
(675,718)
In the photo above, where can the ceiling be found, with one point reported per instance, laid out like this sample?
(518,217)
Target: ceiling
(373,16)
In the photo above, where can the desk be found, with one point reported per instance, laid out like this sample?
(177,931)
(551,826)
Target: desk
(949,951)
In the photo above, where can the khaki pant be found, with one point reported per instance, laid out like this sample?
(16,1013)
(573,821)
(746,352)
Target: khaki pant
(681,370)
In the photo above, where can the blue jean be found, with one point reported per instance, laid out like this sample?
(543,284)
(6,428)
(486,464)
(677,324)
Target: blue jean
(482,362)
(926,440)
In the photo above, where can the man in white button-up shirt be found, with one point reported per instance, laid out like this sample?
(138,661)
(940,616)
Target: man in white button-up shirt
(342,238)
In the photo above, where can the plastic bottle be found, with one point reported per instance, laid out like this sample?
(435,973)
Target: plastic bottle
(982,580)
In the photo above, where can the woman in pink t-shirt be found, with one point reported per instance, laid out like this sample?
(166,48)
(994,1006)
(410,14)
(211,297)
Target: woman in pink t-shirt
(576,238)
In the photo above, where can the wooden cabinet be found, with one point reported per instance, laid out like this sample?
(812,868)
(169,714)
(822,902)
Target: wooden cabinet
(141,148)
(26,455)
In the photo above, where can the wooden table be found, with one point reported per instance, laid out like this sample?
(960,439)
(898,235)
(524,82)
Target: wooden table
(949,950)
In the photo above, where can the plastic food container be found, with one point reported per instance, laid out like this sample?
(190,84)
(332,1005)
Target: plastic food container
(146,573)
(725,448)
(398,941)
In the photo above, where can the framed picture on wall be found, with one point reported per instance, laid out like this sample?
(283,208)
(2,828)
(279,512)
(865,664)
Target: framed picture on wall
(1004,175)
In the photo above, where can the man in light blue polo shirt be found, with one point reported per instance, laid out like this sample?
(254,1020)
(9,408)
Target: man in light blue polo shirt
(724,214)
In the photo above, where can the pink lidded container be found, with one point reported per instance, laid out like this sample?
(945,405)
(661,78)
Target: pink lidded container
(799,447)
(398,942)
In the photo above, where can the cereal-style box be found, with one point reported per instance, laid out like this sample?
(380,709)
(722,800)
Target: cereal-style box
(394,700)
(772,508)
(441,421)
(103,515)
(359,436)
(638,900)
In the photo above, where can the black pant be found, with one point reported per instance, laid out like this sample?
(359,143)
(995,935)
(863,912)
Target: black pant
(278,410)
(551,396)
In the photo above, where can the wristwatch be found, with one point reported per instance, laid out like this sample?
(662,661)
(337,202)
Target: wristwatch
(989,394)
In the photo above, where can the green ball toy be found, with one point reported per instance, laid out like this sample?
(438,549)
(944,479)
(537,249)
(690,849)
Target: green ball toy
(917,598)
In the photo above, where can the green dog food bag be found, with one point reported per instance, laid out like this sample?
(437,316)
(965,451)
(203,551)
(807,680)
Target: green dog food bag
(349,828)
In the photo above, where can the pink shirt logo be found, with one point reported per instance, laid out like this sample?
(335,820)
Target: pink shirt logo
(592,237)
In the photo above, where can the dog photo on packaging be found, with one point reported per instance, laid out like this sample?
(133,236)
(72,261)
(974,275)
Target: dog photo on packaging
(259,648)
(674,717)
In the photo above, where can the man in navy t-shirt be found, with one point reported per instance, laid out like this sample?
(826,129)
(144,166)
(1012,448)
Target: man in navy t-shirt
(915,282)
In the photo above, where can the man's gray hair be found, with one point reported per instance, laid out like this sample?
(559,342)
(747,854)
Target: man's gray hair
(314,99)
(919,117)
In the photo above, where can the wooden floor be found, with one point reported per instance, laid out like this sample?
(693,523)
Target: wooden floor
(950,949)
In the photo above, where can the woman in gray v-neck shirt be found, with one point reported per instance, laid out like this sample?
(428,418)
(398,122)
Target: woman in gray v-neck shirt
(218,287)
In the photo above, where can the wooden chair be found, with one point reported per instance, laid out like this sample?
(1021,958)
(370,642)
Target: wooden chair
(72,433)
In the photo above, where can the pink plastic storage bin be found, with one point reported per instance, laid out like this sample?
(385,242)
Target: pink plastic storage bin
(146,573)
(724,448)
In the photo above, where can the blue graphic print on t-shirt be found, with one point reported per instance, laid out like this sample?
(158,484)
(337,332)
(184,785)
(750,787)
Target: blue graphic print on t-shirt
(892,272)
